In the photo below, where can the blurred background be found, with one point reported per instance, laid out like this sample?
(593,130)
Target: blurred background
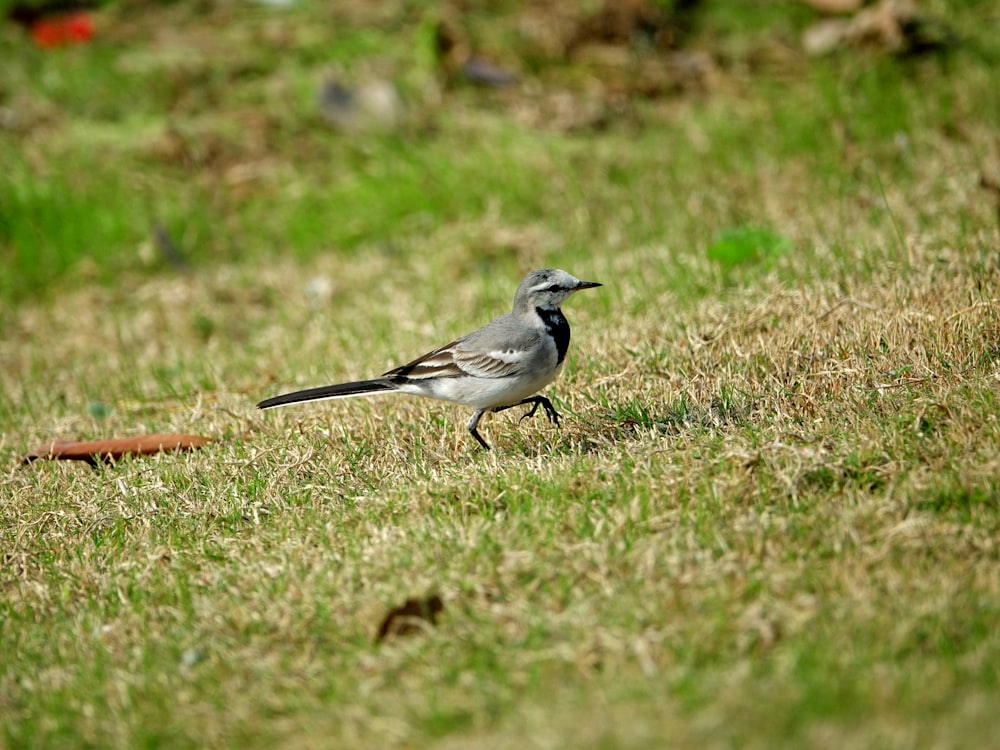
(143,138)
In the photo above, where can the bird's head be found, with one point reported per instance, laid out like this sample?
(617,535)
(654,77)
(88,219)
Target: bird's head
(547,289)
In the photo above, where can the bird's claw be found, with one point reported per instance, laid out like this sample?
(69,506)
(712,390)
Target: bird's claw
(529,413)
(550,411)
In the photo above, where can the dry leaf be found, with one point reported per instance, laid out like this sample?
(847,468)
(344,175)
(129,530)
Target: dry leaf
(415,616)
(111,450)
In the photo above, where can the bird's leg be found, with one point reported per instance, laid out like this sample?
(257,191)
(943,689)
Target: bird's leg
(474,423)
(536,401)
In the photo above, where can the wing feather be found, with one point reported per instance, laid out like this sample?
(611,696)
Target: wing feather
(505,348)
(455,361)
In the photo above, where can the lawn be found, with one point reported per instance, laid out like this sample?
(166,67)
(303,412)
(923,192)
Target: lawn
(770,516)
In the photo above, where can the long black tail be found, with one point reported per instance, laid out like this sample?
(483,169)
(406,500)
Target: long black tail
(325,392)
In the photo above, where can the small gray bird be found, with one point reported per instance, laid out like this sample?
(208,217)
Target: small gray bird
(494,368)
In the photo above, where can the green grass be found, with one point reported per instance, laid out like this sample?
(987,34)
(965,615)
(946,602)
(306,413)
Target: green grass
(768,518)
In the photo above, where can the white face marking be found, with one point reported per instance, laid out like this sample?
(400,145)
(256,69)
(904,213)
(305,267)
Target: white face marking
(552,287)
(546,290)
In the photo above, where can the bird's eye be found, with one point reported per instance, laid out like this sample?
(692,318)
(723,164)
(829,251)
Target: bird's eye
(553,288)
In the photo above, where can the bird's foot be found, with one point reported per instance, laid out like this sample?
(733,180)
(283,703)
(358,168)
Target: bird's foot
(536,401)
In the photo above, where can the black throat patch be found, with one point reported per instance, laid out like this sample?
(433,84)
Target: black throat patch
(558,328)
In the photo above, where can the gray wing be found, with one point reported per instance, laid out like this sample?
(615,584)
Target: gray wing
(501,349)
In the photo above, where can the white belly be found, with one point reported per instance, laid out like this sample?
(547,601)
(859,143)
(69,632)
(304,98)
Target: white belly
(482,393)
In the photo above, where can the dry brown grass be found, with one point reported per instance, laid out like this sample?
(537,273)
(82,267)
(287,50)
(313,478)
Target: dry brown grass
(812,476)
